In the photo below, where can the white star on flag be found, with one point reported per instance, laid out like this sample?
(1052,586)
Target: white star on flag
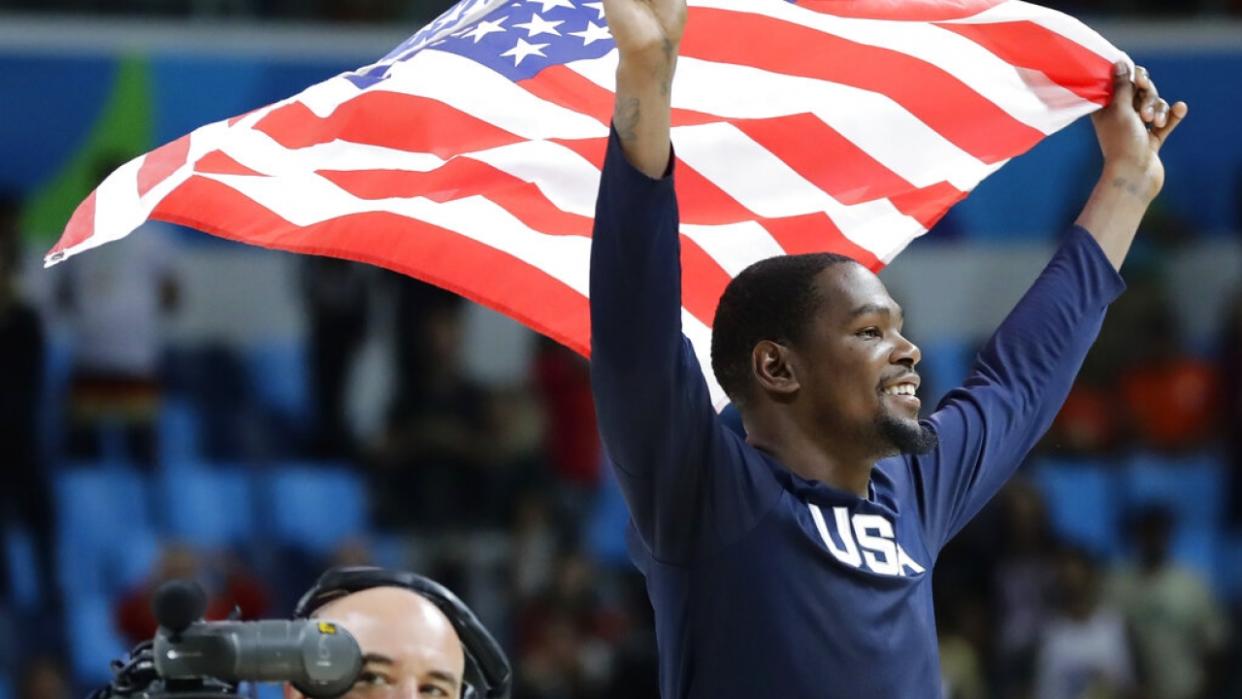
(546,5)
(522,49)
(484,28)
(597,6)
(538,25)
(593,32)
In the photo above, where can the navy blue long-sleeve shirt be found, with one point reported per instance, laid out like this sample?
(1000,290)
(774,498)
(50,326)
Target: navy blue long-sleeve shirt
(766,584)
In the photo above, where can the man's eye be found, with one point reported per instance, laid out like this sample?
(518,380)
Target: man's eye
(433,690)
(373,679)
(869,332)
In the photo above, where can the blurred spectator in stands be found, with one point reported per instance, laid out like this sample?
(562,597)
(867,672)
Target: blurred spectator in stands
(1084,652)
(1091,423)
(535,546)
(1088,423)
(432,460)
(1023,583)
(44,677)
(563,635)
(115,298)
(24,492)
(1179,630)
(227,588)
(635,665)
(415,304)
(1171,397)
(336,293)
(564,384)
(1230,362)
(960,632)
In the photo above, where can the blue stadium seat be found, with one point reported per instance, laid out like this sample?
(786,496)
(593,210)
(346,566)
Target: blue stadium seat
(280,376)
(1202,550)
(57,367)
(90,633)
(1230,571)
(608,522)
(267,690)
(103,528)
(390,550)
(1192,487)
(944,366)
(24,586)
(315,507)
(180,431)
(1082,502)
(207,505)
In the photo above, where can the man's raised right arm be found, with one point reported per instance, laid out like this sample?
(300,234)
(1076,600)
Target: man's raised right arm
(648,34)
(684,479)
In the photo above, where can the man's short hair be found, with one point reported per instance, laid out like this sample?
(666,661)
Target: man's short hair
(773,299)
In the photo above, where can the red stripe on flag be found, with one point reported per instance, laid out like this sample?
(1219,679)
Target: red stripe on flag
(162,162)
(824,157)
(946,104)
(839,167)
(388,119)
(699,200)
(567,88)
(220,163)
(591,149)
(930,204)
(414,248)
(80,227)
(703,280)
(460,178)
(1029,45)
(817,233)
(912,10)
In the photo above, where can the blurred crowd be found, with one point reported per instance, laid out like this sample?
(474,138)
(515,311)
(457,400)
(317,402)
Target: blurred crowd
(375,11)
(497,488)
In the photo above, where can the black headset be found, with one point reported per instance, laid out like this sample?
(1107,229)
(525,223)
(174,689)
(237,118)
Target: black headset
(488,674)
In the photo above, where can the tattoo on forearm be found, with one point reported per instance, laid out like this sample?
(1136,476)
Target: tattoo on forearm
(1129,187)
(625,117)
(670,58)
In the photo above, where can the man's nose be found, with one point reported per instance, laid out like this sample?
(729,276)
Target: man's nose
(907,352)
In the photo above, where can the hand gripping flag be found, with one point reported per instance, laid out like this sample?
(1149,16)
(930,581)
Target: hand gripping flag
(469,156)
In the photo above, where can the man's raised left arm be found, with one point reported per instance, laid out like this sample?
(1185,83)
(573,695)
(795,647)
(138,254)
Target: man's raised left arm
(1024,373)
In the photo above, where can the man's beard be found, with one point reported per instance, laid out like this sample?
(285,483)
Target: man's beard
(906,436)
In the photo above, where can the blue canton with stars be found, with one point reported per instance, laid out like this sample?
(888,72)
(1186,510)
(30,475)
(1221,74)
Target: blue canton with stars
(522,38)
(517,39)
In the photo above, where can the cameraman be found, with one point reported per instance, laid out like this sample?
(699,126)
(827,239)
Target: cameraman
(418,640)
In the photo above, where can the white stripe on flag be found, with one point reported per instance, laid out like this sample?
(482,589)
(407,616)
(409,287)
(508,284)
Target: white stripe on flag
(700,337)
(1065,25)
(306,199)
(903,143)
(975,66)
(258,151)
(734,246)
(567,179)
(770,188)
(489,96)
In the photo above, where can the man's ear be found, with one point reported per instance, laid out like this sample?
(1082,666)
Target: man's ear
(774,370)
(291,693)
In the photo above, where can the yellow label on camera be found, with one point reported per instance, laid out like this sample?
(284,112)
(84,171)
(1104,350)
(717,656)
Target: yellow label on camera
(327,627)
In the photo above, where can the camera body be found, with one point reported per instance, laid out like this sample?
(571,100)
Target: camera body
(194,659)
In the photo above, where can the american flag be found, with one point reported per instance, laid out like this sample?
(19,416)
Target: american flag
(469,156)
